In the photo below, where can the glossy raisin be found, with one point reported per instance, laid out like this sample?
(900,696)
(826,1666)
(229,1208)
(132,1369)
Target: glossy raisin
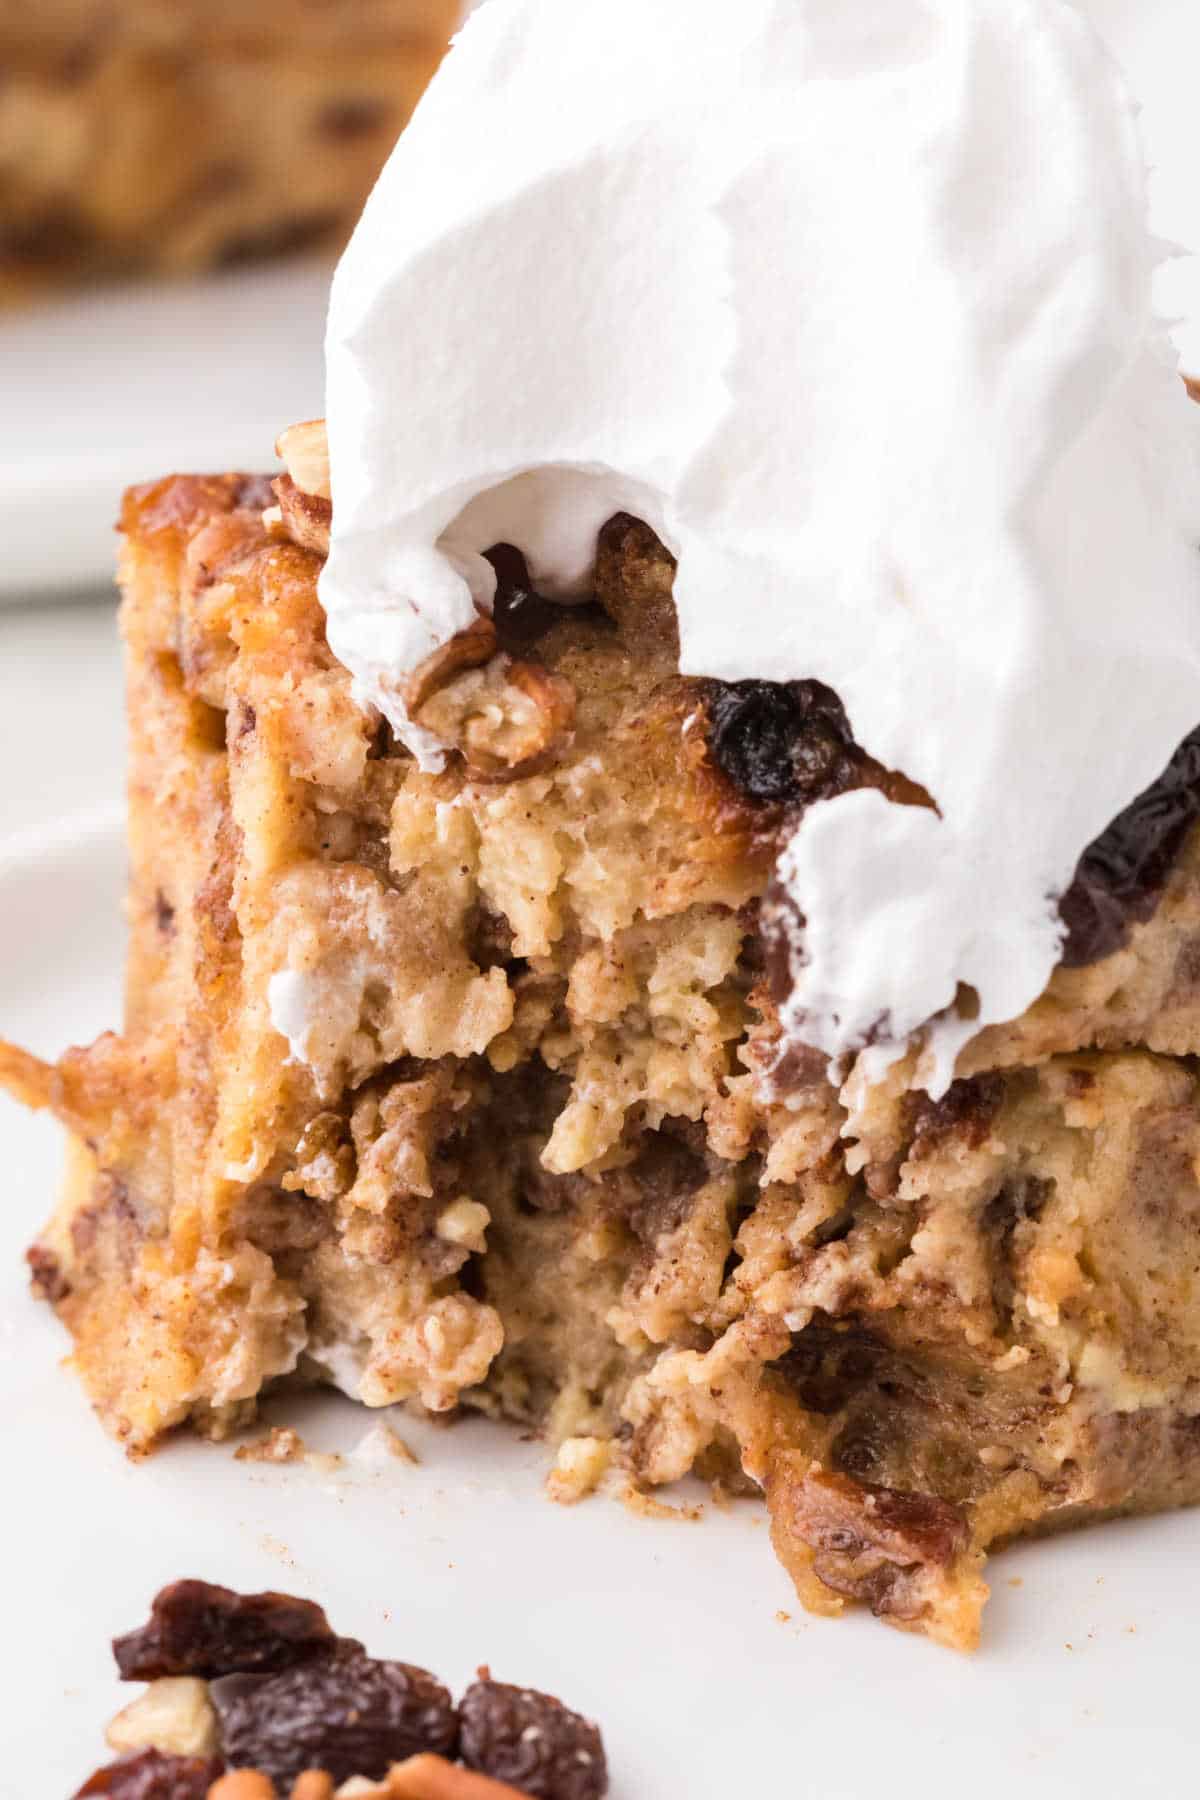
(1121,876)
(149,1775)
(348,1714)
(196,1628)
(786,742)
(533,1742)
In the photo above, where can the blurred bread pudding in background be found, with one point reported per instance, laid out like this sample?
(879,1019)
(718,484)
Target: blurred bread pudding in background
(175,135)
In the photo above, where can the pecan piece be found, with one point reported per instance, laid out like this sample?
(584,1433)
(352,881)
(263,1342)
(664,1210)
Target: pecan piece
(468,650)
(196,1628)
(304,453)
(508,719)
(532,1741)
(306,518)
(433,1778)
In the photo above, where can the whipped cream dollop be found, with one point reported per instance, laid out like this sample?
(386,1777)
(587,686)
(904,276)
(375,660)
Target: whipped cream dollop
(851,304)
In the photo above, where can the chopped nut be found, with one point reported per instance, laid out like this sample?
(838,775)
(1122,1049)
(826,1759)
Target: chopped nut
(507,719)
(433,1778)
(314,1784)
(464,1222)
(173,1715)
(305,518)
(304,453)
(475,645)
(579,1468)
(242,1784)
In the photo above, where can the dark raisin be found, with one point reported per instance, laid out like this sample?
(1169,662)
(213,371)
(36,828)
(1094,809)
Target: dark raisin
(1121,876)
(780,741)
(531,1741)
(198,1629)
(520,614)
(347,1714)
(149,1775)
(964,1114)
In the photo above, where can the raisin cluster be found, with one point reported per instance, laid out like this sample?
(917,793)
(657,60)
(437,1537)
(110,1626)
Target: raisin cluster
(291,1695)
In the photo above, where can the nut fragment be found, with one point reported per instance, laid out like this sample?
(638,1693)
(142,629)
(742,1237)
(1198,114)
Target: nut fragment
(314,1784)
(467,650)
(464,1222)
(243,1784)
(508,719)
(433,1778)
(304,452)
(173,1715)
(532,1741)
(305,518)
(579,1468)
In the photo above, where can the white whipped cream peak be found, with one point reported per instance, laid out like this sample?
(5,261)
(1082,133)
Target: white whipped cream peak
(852,305)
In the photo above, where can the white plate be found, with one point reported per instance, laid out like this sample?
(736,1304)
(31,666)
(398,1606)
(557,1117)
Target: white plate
(116,387)
(669,1633)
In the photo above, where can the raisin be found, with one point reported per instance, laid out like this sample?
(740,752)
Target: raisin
(520,614)
(531,1741)
(963,1115)
(196,1628)
(1121,876)
(875,1544)
(780,741)
(347,1714)
(149,1775)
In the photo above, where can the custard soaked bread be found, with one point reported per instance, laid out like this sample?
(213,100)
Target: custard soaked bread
(465,1089)
(169,134)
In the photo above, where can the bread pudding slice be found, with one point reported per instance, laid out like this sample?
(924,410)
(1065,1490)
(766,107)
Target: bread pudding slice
(166,134)
(466,1089)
